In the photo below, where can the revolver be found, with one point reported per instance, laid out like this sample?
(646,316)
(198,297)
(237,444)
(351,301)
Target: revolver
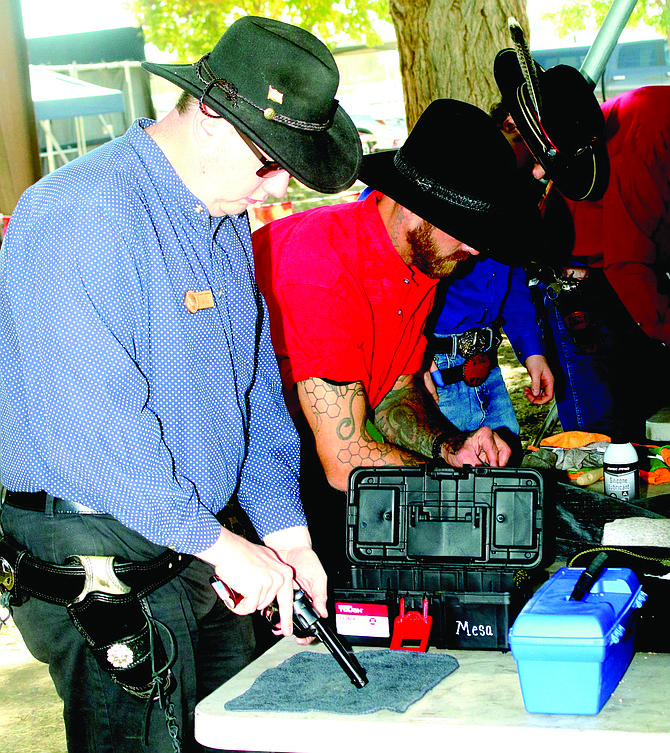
(306,622)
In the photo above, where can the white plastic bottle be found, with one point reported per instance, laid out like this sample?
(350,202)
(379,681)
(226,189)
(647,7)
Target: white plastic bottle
(621,471)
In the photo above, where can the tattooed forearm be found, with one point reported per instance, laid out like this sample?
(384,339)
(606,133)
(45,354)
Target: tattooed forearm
(402,425)
(405,418)
(365,451)
(339,418)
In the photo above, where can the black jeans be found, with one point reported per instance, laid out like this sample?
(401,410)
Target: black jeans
(212,643)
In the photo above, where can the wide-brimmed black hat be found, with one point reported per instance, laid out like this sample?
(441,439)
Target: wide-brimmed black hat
(560,120)
(276,83)
(457,172)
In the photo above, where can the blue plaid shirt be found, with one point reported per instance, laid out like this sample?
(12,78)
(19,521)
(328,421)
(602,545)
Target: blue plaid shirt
(113,394)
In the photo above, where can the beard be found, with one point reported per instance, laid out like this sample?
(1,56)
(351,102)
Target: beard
(427,256)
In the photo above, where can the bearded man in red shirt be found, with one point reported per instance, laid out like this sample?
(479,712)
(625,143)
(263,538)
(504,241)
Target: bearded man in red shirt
(349,288)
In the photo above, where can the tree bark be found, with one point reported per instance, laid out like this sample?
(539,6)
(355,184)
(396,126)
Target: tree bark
(19,151)
(447,48)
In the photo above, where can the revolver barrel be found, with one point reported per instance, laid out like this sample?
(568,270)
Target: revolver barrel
(306,621)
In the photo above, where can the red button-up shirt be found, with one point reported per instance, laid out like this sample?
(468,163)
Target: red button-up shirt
(343,305)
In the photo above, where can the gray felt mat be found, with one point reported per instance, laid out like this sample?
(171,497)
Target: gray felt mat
(311,681)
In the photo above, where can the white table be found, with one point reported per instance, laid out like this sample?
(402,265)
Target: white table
(477,708)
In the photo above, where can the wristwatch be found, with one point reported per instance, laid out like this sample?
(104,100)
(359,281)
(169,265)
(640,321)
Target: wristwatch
(439,440)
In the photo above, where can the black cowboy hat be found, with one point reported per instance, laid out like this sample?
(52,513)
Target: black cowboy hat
(276,83)
(559,118)
(457,172)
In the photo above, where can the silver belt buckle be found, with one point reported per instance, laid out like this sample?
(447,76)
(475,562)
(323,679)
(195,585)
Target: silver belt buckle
(474,341)
(7,577)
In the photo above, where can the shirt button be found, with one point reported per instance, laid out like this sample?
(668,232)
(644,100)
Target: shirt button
(399,312)
(198,208)
(406,280)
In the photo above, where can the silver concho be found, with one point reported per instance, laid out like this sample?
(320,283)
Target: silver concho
(120,656)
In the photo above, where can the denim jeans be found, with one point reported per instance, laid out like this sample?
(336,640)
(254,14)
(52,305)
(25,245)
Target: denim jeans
(100,717)
(614,390)
(582,390)
(468,408)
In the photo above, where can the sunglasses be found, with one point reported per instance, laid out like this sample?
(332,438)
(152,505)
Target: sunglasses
(268,168)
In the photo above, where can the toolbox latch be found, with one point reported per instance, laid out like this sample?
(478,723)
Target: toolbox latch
(411,629)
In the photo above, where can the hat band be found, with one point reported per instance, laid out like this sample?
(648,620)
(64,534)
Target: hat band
(553,153)
(442,192)
(202,69)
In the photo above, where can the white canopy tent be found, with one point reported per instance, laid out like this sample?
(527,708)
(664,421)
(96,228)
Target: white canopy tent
(56,96)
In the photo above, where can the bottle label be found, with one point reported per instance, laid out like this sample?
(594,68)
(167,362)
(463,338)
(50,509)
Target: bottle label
(621,469)
(621,480)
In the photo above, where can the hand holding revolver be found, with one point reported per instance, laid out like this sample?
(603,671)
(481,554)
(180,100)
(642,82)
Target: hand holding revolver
(307,623)
(263,574)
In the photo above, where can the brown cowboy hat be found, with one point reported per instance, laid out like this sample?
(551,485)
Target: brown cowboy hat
(560,120)
(457,172)
(276,83)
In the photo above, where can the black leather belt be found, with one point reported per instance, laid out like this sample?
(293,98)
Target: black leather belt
(22,574)
(477,340)
(43,502)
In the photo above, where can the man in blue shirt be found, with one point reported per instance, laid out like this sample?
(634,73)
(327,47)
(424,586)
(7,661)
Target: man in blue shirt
(140,391)
(474,306)
(471,310)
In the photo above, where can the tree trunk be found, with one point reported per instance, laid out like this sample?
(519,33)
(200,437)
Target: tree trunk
(19,151)
(447,48)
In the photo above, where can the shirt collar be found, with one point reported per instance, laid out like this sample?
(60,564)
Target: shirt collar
(164,177)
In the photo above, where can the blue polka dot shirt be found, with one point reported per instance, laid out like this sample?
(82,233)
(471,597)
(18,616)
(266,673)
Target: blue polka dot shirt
(114,394)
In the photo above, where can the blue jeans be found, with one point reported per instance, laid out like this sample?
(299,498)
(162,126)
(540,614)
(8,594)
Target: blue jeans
(614,390)
(469,408)
(583,396)
(213,644)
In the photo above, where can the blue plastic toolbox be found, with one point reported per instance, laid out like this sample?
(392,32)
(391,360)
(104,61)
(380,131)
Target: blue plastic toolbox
(571,654)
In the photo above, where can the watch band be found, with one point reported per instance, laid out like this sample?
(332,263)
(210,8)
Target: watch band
(439,440)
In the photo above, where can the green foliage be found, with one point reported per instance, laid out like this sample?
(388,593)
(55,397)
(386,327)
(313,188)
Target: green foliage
(190,28)
(589,14)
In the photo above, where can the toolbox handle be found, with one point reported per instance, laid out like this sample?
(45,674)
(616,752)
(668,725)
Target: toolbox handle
(433,467)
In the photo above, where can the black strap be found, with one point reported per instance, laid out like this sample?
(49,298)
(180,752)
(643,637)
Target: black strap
(35,501)
(45,503)
(589,577)
(62,584)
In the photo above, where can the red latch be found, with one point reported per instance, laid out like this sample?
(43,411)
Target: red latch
(411,629)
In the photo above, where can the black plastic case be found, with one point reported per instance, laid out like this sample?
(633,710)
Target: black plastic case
(464,539)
